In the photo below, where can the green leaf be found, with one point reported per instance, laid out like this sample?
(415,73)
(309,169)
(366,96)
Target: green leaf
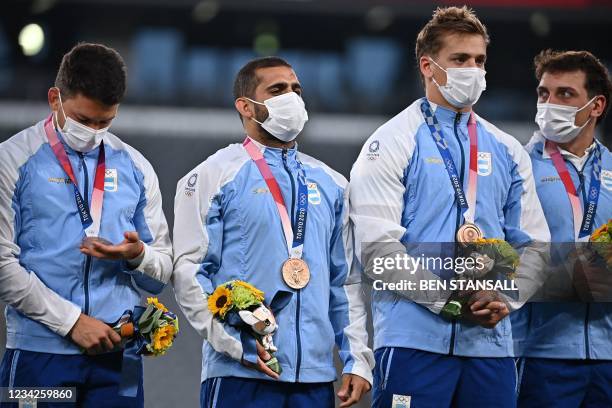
(146,314)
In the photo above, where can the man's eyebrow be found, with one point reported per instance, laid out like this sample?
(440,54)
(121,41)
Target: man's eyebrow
(567,88)
(280,85)
(466,55)
(83,118)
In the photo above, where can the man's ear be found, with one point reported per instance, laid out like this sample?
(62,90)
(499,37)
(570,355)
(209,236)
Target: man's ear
(53,95)
(425,67)
(600,106)
(244,107)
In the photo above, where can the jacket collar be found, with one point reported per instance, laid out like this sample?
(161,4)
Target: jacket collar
(276,155)
(538,142)
(448,116)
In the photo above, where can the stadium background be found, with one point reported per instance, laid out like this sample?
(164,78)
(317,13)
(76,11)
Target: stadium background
(355,60)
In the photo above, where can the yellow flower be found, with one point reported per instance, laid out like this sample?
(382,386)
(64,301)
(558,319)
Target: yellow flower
(220,301)
(156,303)
(488,241)
(256,292)
(599,232)
(163,338)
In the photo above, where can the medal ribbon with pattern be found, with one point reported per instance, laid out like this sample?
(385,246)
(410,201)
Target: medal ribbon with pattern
(466,203)
(90,217)
(583,221)
(294,238)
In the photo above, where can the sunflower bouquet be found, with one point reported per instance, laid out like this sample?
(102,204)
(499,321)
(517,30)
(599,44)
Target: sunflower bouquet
(234,295)
(601,243)
(153,328)
(241,305)
(495,259)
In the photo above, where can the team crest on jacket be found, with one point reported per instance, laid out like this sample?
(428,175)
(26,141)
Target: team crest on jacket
(485,164)
(314,197)
(111,180)
(606,179)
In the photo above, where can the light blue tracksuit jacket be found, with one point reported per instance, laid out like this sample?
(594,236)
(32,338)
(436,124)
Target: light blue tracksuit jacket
(400,192)
(555,329)
(45,279)
(227,227)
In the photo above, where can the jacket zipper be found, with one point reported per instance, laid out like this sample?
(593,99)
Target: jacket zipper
(88,258)
(586,331)
(297,308)
(588,305)
(451,350)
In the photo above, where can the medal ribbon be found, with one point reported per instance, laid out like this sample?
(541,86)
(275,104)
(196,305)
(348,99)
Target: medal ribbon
(466,203)
(583,221)
(293,237)
(90,217)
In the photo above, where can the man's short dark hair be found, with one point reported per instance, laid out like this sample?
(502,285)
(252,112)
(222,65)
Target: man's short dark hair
(246,81)
(93,70)
(597,76)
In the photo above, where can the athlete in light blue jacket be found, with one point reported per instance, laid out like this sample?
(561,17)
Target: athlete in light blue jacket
(402,193)
(63,180)
(228,226)
(567,347)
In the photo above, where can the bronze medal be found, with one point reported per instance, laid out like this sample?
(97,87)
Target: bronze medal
(296,273)
(88,242)
(468,233)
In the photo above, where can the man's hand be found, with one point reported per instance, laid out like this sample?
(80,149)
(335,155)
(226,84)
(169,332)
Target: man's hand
(262,356)
(94,336)
(486,309)
(130,248)
(352,389)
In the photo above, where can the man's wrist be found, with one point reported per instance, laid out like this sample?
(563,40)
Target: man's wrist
(71,323)
(134,262)
(360,369)
(140,252)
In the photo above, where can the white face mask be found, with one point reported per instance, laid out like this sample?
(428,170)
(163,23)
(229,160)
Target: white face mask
(558,122)
(78,136)
(286,116)
(463,85)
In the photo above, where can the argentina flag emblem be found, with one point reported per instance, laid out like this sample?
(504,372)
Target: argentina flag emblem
(314,196)
(484,163)
(110,180)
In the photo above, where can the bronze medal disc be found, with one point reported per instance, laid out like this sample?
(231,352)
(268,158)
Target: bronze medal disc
(468,233)
(296,273)
(88,241)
